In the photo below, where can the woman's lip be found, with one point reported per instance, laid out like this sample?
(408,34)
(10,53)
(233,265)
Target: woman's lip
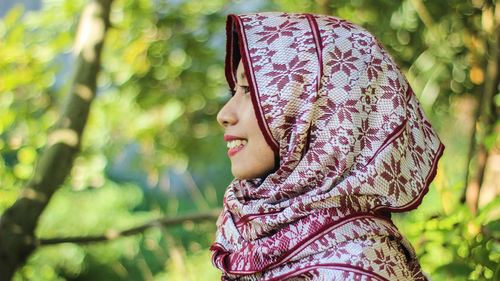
(233,151)
(231,138)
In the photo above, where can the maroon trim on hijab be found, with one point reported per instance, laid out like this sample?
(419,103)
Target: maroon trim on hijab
(319,44)
(331,266)
(229,66)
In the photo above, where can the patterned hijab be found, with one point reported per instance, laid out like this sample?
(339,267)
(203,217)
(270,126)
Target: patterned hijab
(353,143)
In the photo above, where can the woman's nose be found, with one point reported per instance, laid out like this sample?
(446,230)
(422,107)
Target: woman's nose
(227,114)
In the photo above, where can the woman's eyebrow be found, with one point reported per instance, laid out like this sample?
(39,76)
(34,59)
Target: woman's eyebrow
(242,77)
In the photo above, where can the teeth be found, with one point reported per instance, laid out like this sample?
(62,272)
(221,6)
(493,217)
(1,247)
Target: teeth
(236,143)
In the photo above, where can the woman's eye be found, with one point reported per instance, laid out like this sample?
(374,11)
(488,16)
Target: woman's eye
(246,88)
(232,92)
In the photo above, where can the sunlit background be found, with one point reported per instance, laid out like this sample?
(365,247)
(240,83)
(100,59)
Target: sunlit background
(153,149)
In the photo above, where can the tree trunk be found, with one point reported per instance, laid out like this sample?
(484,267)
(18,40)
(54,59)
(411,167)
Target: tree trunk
(18,223)
(486,115)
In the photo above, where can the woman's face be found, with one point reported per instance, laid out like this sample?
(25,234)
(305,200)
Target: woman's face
(251,157)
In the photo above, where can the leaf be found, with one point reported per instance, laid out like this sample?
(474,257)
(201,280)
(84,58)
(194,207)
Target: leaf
(454,269)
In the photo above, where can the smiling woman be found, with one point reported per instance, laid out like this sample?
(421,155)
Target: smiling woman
(352,145)
(250,155)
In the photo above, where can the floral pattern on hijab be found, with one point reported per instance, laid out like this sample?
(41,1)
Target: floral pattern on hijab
(353,143)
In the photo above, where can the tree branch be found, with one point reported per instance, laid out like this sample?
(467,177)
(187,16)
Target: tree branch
(113,234)
(423,13)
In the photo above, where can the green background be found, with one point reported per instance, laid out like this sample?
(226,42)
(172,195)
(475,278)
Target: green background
(152,147)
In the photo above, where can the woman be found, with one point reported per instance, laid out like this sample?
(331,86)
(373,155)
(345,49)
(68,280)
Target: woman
(326,139)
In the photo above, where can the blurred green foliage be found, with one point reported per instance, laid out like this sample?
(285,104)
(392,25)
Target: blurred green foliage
(152,147)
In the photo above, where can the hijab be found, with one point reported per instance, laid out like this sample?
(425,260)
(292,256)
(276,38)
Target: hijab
(353,145)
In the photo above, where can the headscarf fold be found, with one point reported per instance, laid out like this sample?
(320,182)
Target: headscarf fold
(353,143)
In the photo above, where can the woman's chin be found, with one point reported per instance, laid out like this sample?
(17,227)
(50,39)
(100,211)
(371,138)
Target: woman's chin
(242,175)
(245,174)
